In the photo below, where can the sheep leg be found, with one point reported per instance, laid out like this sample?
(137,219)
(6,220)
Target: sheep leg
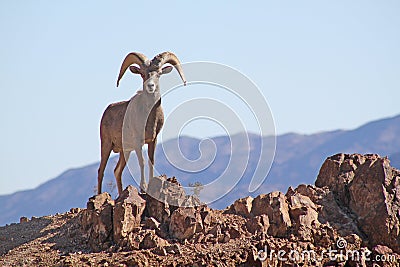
(123,158)
(105,154)
(141,164)
(150,150)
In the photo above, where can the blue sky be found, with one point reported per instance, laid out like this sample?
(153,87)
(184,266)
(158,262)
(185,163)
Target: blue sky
(321,65)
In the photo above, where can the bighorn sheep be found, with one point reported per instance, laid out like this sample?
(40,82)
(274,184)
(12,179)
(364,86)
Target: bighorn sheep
(126,126)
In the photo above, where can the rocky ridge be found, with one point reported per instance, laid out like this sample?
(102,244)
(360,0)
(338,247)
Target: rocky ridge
(350,217)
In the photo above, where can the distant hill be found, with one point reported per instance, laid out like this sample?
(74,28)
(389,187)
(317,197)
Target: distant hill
(395,160)
(297,160)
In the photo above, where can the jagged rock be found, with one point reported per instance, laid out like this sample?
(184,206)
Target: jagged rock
(338,171)
(234,231)
(304,211)
(359,207)
(185,222)
(353,241)
(273,205)
(357,200)
(365,197)
(216,230)
(97,222)
(134,240)
(315,193)
(338,216)
(161,251)
(166,190)
(128,210)
(329,209)
(151,240)
(151,223)
(242,206)
(258,224)
(191,201)
(324,236)
(207,215)
(156,186)
(23,220)
(208,237)
(304,215)
(375,199)
(164,195)
(75,210)
(157,209)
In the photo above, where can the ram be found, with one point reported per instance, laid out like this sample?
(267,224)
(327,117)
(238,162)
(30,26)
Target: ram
(126,126)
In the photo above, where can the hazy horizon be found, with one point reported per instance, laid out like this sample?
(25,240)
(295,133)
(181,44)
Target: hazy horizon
(185,136)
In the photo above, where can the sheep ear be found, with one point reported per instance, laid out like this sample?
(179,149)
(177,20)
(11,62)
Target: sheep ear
(135,70)
(166,70)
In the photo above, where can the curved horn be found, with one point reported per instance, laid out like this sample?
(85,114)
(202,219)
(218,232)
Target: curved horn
(131,58)
(171,58)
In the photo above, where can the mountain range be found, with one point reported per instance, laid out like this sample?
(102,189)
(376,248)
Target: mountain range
(297,160)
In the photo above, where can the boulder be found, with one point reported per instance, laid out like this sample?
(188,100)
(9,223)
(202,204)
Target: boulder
(128,211)
(304,215)
(166,190)
(364,198)
(258,224)
(313,192)
(208,215)
(151,223)
(338,216)
(157,209)
(97,221)
(374,197)
(191,201)
(161,251)
(234,231)
(338,171)
(242,206)
(329,209)
(273,205)
(185,222)
(164,195)
(356,200)
(23,220)
(151,240)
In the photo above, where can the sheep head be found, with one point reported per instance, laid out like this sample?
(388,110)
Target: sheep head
(150,70)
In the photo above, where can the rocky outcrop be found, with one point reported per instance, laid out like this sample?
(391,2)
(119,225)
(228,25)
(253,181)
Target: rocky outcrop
(275,206)
(258,224)
(128,211)
(243,206)
(167,190)
(185,222)
(142,221)
(367,189)
(353,206)
(304,215)
(164,196)
(97,222)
